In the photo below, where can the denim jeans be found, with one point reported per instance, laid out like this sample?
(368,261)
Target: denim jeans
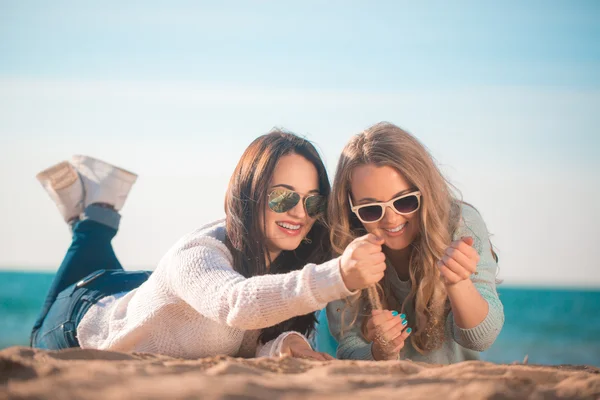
(89,272)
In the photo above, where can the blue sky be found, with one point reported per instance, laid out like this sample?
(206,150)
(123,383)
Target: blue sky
(506,95)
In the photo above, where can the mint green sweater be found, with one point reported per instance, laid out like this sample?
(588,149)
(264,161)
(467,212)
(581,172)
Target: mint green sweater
(460,344)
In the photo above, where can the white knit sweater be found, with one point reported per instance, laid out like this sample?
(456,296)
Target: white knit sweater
(195,305)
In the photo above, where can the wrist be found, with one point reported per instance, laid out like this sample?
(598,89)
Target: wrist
(344,277)
(454,289)
(458,285)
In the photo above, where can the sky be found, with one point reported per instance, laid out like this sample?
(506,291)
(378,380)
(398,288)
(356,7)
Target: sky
(505,95)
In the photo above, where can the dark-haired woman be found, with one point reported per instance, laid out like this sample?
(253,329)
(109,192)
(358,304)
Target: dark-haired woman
(246,286)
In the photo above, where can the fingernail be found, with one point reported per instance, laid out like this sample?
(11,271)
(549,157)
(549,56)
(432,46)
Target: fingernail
(409,330)
(394,313)
(404,322)
(403,316)
(449,251)
(439,263)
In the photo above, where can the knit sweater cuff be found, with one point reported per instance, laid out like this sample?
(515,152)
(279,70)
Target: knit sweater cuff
(480,337)
(363,352)
(327,283)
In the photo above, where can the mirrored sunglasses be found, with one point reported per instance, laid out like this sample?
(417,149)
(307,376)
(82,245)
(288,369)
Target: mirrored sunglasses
(283,200)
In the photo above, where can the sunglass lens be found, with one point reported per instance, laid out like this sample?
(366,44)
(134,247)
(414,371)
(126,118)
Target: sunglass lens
(315,205)
(370,213)
(407,204)
(281,201)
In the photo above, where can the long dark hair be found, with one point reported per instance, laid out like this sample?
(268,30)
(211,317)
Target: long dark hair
(246,201)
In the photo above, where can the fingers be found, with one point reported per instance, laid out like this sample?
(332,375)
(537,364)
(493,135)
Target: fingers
(374,262)
(376,258)
(455,267)
(395,330)
(363,263)
(364,248)
(301,353)
(381,320)
(382,317)
(388,324)
(450,276)
(377,271)
(318,356)
(468,240)
(459,261)
(372,273)
(368,244)
(388,331)
(374,239)
(401,339)
(311,355)
(460,258)
(466,248)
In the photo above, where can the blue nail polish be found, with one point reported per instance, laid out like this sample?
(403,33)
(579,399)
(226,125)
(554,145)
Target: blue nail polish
(403,316)
(404,322)
(409,330)
(394,313)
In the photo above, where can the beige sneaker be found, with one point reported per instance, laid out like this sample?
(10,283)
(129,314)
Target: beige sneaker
(103,182)
(62,183)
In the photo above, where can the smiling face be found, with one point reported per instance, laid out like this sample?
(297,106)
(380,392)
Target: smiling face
(370,184)
(285,231)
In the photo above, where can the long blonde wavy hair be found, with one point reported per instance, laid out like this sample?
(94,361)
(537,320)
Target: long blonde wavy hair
(385,144)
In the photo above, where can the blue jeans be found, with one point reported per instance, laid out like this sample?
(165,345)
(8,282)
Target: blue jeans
(89,272)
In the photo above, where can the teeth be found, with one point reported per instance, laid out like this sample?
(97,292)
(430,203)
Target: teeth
(396,229)
(288,226)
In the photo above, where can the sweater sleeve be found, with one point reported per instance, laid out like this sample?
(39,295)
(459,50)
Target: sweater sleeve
(482,336)
(273,347)
(351,343)
(201,274)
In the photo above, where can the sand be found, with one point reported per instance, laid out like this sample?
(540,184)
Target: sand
(91,374)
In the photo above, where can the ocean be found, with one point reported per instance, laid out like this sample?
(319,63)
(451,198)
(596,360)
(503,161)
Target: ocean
(549,326)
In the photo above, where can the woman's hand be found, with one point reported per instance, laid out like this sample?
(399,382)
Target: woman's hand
(363,262)
(297,347)
(388,332)
(459,262)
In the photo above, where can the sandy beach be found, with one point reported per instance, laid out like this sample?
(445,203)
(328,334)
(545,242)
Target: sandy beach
(90,374)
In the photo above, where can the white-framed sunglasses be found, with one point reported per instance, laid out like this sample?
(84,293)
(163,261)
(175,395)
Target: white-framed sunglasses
(405,204)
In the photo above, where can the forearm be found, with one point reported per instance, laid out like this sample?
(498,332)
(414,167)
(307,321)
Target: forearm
(215,290)
(468,306)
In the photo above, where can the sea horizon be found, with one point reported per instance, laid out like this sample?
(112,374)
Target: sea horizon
(546,325)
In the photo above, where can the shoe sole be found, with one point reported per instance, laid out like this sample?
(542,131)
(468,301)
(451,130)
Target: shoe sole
(59,176)
(95,164)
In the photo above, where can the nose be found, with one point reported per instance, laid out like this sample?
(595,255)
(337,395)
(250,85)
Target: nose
(298,211)
(391,217)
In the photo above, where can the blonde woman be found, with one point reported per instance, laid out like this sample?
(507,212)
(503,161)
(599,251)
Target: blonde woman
(438,295)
